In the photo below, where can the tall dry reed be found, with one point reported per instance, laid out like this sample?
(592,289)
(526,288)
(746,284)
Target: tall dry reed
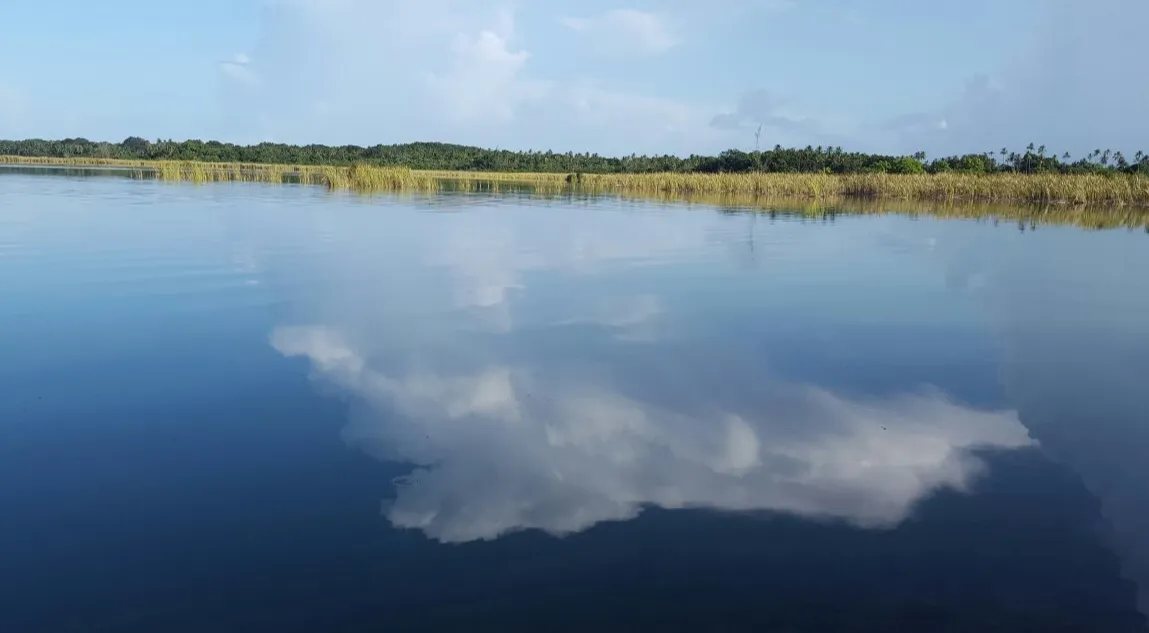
(1114,190)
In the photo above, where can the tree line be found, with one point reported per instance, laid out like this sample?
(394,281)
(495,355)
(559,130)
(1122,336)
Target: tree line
(446,156)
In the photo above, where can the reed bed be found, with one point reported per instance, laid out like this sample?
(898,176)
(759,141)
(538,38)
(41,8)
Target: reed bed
(198,172)
(353,177)
(1046,189)
(533,178)
(1111,191)
(1039,188)
(369,178)
(83,162)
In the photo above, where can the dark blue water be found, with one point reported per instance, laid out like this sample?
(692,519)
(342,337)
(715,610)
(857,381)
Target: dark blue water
(268,408)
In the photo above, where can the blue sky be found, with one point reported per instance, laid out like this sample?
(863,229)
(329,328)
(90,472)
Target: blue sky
(611,76)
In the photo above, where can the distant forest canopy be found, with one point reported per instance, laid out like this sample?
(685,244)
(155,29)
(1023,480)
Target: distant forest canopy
(445,156)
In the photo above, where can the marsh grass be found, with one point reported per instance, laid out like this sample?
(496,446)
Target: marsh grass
(369,178)
(84,162)
(1045,189)
(197,172)
(1040,189)
(1098,201)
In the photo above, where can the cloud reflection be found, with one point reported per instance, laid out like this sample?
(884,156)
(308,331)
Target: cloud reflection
(629,319)
(507,446)
(495,366)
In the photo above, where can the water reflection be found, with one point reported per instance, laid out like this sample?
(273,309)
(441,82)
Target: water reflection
(1076,344)
(729,417)
(583,376)
(510,447)
(583,406)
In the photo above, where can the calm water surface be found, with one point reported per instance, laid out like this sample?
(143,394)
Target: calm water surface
(268,408)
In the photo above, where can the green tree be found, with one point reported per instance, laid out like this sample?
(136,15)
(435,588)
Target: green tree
(906,165)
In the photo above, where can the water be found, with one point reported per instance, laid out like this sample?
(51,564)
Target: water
(261,408)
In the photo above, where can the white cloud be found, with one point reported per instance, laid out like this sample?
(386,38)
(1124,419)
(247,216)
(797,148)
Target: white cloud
(450,70)
(483,82)
(626,30)
(238,70)
(506,448)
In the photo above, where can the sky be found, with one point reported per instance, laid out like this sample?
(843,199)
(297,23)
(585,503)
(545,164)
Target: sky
(608,76)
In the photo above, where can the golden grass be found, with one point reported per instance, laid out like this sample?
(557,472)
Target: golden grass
(1092,189)
(94,162)
(354,177)
(1084,200)
(1114,189)
(367,178)
(198,172)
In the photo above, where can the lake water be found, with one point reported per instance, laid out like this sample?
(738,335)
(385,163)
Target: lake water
(254,408)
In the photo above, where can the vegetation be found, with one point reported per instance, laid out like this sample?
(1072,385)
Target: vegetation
(1103,188)
(1032,177)
(358,177)
(793,195)
(1043,188)
(448,157)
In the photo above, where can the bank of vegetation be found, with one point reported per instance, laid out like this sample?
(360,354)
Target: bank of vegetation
(1029,201)
(1033,177)
(448,157)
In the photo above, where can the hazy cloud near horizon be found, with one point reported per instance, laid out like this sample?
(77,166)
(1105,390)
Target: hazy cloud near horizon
(1080,83)
(11,108)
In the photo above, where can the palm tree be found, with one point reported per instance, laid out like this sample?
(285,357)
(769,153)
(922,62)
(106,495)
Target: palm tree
(1139,156)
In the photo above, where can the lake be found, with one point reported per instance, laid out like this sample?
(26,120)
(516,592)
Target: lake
(243,407)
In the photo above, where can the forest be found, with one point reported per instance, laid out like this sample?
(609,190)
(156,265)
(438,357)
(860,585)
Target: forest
(446,156)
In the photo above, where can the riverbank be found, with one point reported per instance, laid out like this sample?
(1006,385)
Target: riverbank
(1114,190)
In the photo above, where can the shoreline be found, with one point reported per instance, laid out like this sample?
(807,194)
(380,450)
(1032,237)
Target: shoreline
(1117,192)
